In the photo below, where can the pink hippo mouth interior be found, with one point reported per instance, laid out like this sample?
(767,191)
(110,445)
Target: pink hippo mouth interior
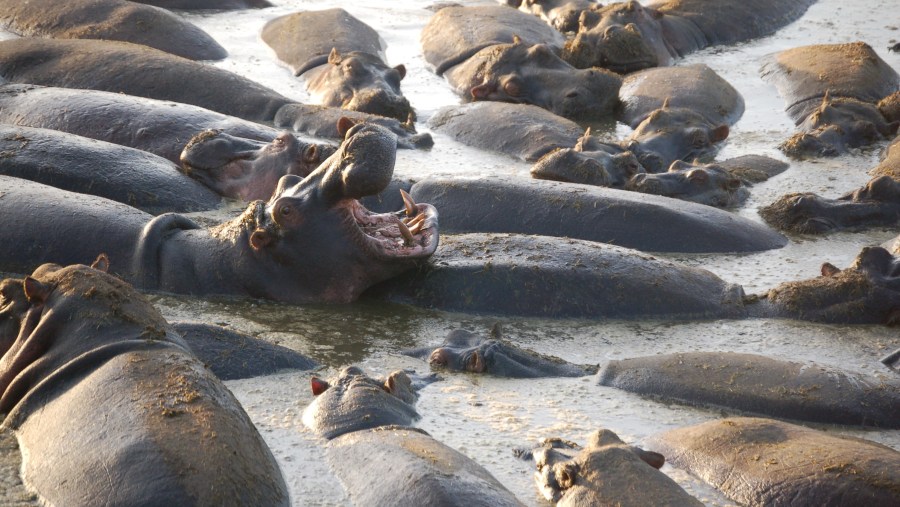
(411,233)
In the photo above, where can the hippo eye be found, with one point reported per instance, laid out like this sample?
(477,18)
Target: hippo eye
(572,95)
(699,140)
(512,88)
(286,210)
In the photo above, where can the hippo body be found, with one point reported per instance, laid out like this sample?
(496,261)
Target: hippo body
(123,68)
(381,459)
(758,462)
(321,121)
(709,184)
(560,14)
(218,5)
(170,432)
(78,164)
(831,92)
(110,20)
(890,161)
(759,385)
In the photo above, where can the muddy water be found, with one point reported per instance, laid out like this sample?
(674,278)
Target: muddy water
(486,417)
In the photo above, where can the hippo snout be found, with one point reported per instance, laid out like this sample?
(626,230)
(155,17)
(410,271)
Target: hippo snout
(382,102)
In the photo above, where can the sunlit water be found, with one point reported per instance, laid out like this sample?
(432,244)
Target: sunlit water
(486,417)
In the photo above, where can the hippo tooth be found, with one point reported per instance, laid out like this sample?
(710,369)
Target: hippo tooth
(417,228)
(407,235)
(418,219)
(409,203)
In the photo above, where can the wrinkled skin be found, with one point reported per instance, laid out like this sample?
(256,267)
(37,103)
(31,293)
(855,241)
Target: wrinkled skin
(245,169)
(312,241)
(321,121)
(87,344)
(671,133)
(534,74)
(759,385)
(877,204)
(466,351)
(890,161)
(758,462)
(608,166)
(116,20)
(708,184)
(560,14)
(605,472)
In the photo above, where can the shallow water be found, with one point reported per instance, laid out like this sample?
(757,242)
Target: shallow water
(486,417)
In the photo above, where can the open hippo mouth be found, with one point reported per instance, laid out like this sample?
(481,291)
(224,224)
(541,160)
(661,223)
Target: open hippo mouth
(411,232)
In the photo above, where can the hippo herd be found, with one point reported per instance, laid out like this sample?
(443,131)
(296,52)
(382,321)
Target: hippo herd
(135,167)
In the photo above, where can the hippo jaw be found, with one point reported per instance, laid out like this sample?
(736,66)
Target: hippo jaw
(805,213)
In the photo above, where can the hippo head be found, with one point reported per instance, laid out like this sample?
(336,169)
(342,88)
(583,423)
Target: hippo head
(605,166)
(362,82)
(868,292)
(877,203)
(623,37)
(354,401)
(709,184)
(247,169)
(674,133)
(837,125)
(314,242)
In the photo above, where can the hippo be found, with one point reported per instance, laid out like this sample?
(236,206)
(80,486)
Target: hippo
(82,343)
(542,276)
(159,127)
(890,161)
(626,36)
(877,204)
(110,20)
(120,67)
(341,59)
(560,14)
(758,462)
(606,471)
(312,241)
(589,162)
(189,5)
(831,92)
(759,385)
(368,424)
(232,355)
(78,164)
(455,33)
(709,184)
(465,351)
(672,133)
(629,219)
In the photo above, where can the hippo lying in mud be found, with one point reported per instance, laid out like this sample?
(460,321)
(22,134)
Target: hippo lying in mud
(759,385)
(831,91)
(108,403)
(78,164)
(320,121)
(311,242)
(626,36)
(890,161)
(761,462)
(560,14)
(110,20)
(466,351)
(381,459)
(540,276)
(342,60)
(877,204)
(605,472)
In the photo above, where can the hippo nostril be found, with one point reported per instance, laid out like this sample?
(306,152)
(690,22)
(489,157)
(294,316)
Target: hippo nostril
(572,95)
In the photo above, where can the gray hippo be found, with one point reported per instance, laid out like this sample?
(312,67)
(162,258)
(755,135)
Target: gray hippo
(186,5)
(108,403)
(560,14)
(606,471)
(877,204)
(589,162)
(626,36)
(759,385)
(341,59)
(541,276)
(321,121)
(312,241)
(761,462)
(672,133)
(381,459)
(831,92)
(120,67)
(110,20)
(465,351)
(890,161)
(137,178)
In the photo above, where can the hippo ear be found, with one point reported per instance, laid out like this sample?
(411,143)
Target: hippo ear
(259,239)
(588,19)
(101,263)
(829,269)
(401,69)
(719,133)
(679,165)
(566,474)
(36,292)
(311,154)
(343,125)
(697,176)
(481,91)
(665,103)
(318,386)
(334,57)
(517,39)
(654,459)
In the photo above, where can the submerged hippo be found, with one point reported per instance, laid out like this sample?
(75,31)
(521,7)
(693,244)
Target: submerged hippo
(321,121)
(218,5)
(78,343)
(465,351)
(831,92)
(709,184)
(123,68)
(626,36)
(669,134)
(759,385)
(605,472)
(342,60)
(589,162)
(877,204)
(761,462)
(381,459)
(110,20)
(311,242)
(890,161)
(137,178)
(560,14)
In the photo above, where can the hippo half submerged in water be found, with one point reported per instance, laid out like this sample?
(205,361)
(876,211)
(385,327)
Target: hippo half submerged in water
(109,404)
(367,423)
(313,241)
(560,14)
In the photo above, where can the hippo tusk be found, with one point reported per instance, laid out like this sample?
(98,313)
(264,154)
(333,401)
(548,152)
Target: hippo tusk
(404,231)
(415,220)
(415,229)
(409,203)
